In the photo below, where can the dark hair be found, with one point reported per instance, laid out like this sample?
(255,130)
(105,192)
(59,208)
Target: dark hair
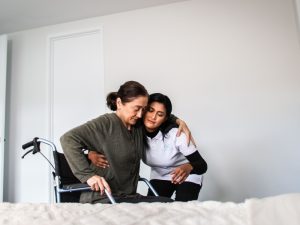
(127,92)
(163,99)
(166,126)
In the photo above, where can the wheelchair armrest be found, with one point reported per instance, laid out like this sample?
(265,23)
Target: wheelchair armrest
(84,187)
(74,187)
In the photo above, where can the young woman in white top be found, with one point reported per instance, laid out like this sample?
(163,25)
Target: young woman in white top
(175,165)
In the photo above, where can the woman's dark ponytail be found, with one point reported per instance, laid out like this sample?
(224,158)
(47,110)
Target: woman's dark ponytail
(111,101)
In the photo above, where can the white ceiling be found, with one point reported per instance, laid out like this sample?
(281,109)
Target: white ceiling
(17,15)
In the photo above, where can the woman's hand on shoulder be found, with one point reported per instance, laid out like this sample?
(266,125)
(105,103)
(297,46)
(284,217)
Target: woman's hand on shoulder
(98,159)
(184,128)
(98,183)
(180,173)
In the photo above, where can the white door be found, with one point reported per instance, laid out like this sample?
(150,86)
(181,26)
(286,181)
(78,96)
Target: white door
(76,81)
(3,59)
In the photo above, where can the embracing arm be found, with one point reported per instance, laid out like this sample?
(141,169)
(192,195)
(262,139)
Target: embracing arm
(174,121)
(196,165)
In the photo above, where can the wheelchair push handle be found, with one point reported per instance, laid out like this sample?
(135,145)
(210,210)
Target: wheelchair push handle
(27,145)
(35,144)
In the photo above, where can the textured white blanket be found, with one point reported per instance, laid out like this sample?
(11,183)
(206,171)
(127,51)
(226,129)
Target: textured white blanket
(278,210)
(274,210)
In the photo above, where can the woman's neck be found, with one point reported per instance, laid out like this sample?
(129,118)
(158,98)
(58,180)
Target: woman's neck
(151,133)
(128,126)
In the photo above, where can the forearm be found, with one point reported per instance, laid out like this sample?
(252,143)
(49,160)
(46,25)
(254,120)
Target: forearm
(198,163)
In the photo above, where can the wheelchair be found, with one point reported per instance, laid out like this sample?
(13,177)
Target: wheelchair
(67,187)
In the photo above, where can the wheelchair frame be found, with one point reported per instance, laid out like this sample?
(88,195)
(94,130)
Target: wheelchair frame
(59,187)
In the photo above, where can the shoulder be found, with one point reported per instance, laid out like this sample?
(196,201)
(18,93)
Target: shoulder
(180,140)
(172,132)
(100,123)
(108,122)
(106,116)
(104,119)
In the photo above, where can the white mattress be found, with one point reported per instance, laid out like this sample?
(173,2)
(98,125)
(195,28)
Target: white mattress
(281,210)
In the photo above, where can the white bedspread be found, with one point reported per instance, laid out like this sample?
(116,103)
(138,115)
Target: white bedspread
(281,210)
(278,210)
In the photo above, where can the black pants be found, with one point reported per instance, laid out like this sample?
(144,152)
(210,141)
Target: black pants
(187,191)
(140,198)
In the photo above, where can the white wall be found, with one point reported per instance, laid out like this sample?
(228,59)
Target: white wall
(231,68)
(3,63)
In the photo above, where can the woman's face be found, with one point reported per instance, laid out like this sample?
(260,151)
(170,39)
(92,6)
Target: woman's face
(130,112)
(155,116)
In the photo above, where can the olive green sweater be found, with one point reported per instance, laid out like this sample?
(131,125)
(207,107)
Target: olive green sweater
(122,148)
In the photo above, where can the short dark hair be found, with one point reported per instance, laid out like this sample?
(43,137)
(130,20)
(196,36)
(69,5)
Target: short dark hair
(127,92)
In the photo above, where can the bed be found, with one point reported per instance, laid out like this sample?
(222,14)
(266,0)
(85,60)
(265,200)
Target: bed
(281,210)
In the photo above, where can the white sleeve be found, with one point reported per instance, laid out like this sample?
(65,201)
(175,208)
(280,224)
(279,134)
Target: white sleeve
(182,146)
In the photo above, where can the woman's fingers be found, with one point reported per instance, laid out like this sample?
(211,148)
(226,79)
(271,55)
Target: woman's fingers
(98,159)
(102,162)
(96,187)
(106,186)
(182,178)
(177,174)
(98,183)
(101,186)
(101,156)
(92,182)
